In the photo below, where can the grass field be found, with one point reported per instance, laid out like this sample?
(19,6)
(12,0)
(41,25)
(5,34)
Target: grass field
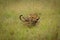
(11,28)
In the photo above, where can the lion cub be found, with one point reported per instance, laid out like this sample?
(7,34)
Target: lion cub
(31,19)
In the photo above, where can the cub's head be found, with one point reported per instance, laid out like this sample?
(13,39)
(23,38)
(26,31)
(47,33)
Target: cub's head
(34,17)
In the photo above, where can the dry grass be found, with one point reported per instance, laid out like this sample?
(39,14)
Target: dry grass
(11,28)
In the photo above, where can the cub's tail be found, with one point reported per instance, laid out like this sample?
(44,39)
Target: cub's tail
(21,18)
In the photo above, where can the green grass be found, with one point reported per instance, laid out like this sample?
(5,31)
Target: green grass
(11,28)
